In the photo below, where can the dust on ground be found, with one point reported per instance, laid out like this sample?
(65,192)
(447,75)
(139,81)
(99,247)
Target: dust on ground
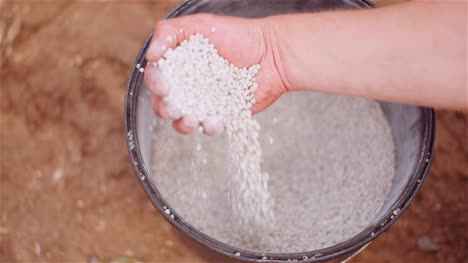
(68,192)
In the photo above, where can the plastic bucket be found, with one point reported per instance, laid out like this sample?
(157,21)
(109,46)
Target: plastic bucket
(413,131)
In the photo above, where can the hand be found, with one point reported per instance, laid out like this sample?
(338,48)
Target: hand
(243,42)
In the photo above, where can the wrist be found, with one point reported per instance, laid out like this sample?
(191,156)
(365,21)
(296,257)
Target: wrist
(275,52)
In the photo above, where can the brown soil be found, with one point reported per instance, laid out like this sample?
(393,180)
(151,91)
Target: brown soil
(68,193)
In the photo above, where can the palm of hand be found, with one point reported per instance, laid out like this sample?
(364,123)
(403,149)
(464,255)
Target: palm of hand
(243,42)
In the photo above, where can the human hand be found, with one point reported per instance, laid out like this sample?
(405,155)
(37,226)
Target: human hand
(243,42)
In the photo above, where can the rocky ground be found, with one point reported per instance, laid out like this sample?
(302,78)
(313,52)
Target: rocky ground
(68,193)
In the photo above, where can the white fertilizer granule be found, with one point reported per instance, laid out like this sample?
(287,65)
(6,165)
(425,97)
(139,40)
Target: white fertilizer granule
(331,166)
(203,84)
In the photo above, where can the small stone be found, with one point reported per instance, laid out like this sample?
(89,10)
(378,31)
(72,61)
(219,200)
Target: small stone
(57,175)
(425,243)
(80,203)
(4,230)
(93,259)
(37,248)
(13,31)
(169,243)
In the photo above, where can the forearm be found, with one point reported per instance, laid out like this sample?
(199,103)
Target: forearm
(411,53)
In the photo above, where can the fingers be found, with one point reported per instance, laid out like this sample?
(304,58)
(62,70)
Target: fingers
(154,81)
(212,126)
(165,110)
(167,34)
(171,32)
(186,124)
(155,101)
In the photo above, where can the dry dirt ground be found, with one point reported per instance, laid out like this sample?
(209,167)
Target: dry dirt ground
(68,193)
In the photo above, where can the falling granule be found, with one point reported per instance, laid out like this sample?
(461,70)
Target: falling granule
(203,84)
(271,140)
(142,70)
(167,211)
(213,30)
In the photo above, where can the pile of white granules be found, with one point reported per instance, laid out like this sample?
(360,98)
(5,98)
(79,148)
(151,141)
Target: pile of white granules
(328,161)
(201,83)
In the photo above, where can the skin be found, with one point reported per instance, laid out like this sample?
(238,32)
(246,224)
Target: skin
(412,53)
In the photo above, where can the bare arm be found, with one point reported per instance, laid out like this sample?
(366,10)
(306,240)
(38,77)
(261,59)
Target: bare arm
(412,53)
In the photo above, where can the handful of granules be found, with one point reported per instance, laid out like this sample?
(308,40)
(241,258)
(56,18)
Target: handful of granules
(203,84)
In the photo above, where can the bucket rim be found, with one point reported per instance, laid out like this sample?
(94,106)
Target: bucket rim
(338,251)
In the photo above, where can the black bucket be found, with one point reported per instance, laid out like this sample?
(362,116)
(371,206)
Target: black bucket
(413,131)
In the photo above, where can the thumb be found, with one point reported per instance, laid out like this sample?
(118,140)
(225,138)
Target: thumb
(169,33)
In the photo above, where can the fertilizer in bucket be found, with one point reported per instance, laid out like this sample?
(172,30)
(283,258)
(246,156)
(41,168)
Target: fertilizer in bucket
(328,162)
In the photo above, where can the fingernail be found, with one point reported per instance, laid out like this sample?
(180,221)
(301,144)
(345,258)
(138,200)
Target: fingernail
(213,125)
(173,112)
(219,129)
(190,122)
